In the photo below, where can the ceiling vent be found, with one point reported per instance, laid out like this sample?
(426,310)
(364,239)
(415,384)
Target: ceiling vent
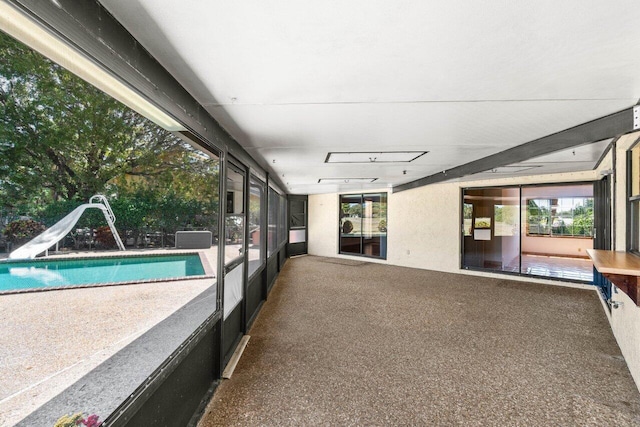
(374,156)
(511,169)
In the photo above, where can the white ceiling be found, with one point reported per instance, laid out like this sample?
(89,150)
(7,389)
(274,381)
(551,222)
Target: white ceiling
(292,81)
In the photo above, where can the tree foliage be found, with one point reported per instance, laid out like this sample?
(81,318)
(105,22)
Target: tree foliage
(62,141)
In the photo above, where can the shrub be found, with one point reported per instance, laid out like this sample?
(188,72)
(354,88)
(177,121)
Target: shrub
(347,227)
(382,226)
(104,237)
(22,230)
(69,420)
(78,420)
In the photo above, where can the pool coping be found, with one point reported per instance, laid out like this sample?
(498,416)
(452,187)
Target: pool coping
(208,272)
(134,368)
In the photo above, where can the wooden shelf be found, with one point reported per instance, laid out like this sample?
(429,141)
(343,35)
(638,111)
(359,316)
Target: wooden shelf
(621,268)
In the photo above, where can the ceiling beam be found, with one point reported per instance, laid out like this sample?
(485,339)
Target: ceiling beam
(610,126)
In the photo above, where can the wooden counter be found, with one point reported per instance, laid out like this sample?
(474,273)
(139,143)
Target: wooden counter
(621,268)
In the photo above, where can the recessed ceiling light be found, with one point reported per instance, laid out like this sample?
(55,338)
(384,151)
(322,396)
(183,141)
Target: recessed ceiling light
(346,180)
(374,156)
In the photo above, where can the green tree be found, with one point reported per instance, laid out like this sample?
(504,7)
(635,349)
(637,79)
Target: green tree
(61,138)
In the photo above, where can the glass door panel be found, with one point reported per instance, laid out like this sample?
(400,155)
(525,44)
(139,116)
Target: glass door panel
(491,229)
(374,225)
(351,224)
(234,240)
(256,225)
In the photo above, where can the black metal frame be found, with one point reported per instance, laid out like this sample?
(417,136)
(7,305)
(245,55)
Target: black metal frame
(293,248)
(630,199)
(137,406)
(234,326)
(90,29)
(602,221)
(340,232)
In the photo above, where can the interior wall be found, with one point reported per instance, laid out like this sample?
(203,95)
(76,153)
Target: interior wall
(568,246)
(565,246)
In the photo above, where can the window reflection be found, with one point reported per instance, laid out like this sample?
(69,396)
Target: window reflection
(256,225)
(491,229)
(272,237)
(234,221)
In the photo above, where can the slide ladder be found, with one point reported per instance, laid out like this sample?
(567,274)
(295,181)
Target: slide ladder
(59,230)
(109,216)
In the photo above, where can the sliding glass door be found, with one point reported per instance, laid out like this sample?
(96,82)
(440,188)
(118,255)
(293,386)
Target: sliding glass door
(533,230)
(363,224)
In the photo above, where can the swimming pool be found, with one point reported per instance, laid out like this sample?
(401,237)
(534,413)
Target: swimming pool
(19,276)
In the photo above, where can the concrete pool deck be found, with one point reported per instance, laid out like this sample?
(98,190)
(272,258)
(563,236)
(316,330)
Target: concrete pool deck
(52,339)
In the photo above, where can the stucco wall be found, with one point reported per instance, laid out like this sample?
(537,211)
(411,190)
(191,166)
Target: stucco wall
(625,320)
(323,224)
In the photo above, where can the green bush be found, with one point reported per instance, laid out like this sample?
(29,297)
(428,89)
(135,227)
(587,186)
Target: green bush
(347,227)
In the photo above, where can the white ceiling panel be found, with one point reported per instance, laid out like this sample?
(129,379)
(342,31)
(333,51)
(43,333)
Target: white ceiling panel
(298,79)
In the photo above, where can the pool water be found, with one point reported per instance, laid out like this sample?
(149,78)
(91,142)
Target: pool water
(20,275)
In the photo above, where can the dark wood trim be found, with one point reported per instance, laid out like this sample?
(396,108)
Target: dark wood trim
(627,284)
(621,268)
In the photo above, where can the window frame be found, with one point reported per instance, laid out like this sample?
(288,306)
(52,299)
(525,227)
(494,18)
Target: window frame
(550,217)
(633,201)
(254,181)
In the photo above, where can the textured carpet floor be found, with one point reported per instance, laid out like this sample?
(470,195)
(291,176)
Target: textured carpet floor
(370,344)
